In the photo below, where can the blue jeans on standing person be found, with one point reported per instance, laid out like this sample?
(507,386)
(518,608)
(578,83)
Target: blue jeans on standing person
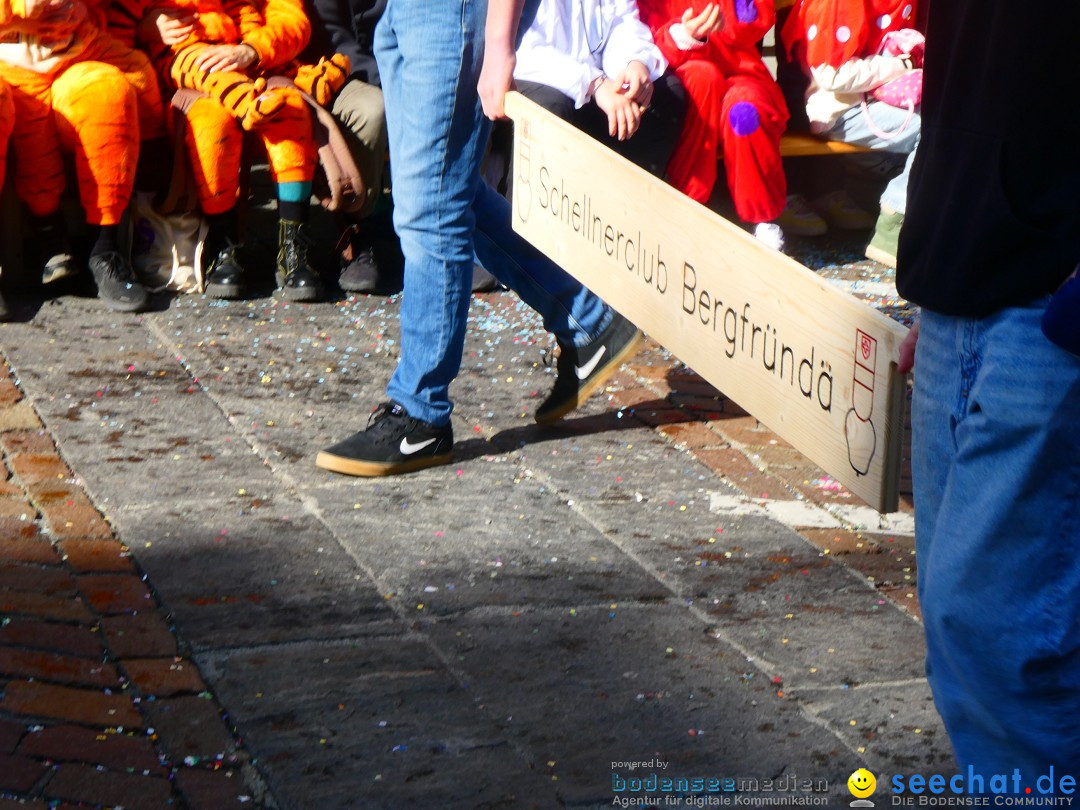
(996,467)
(429,54)
(852,127)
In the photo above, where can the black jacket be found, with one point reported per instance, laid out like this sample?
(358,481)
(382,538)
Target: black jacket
(993,215)
(348,27)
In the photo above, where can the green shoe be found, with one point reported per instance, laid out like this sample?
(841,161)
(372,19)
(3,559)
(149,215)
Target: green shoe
(882,247)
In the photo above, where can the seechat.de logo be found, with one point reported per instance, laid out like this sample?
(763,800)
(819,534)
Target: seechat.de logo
(861,784)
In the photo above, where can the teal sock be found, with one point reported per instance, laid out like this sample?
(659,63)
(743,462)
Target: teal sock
(294,192)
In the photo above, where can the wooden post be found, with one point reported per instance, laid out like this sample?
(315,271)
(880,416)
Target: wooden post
(811,362)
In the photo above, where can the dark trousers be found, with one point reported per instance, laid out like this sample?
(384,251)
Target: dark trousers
(650,147)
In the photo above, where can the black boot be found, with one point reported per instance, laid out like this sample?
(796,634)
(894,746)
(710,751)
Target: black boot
(296,280)
(223,275)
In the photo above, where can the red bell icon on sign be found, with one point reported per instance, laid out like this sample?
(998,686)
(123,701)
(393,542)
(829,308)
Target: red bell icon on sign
(859,431)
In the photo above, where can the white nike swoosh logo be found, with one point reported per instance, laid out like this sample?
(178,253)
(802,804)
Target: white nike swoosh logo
(408,448)
(587,369)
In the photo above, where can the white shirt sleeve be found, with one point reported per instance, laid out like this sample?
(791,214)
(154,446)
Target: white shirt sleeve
(858,75)
(572,42)
(629,39)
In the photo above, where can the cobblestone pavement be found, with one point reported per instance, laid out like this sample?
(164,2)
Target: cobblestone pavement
(158,648)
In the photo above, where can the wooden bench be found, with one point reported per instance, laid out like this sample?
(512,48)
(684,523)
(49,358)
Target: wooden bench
(803,144)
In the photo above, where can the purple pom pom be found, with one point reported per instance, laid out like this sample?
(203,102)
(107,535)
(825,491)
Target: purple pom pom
(743,118)
(745,10)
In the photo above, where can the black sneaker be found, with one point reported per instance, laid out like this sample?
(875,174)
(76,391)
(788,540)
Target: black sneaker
(362,273)
(582,370)
(483,281)
(116,283)
(393,443)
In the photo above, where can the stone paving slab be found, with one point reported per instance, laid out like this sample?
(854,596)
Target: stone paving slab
(554,601)
(633,683)
(372,723)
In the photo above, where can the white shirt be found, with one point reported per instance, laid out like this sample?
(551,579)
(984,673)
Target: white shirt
(572,42)
(834,91)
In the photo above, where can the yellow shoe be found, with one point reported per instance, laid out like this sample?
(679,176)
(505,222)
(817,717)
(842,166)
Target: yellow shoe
(842,212)
(800,219)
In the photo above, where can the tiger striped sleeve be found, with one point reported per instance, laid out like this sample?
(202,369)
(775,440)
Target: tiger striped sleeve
(282,35)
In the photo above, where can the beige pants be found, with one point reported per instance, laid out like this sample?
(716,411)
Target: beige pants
(359,106)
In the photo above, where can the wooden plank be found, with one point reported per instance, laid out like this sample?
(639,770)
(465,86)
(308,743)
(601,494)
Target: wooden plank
(801,144)
(811,362)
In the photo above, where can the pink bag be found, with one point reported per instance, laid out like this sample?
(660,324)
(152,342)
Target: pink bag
(904,91)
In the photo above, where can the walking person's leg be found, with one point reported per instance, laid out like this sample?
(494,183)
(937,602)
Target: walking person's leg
(998,539)
(428,62)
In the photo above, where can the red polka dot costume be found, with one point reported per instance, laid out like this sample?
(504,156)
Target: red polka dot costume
(835,31)
(837,41)
(734,102)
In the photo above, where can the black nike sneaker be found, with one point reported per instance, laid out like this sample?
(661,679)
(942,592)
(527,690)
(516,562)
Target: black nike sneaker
(581,370)
(393,443)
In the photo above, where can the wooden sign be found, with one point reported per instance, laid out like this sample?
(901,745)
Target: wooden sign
(814,364)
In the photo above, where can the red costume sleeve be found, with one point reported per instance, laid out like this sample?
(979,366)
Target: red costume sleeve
(743,23)
(832,32)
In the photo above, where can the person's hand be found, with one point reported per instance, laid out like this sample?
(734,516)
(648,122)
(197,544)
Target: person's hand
(634,83)
(38,8)
(226,57)
(699,26)
(165,26)
(623,113)
(907,350)
(496,79)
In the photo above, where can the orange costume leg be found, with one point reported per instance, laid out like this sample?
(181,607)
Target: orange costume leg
(39,166)
(97,117)
(7,123)
(754,117)
(245,98)
(290,146)
(139,73)
(214,145)
(692,167)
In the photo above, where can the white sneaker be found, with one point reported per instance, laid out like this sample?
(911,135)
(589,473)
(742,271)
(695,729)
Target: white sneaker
(771,234)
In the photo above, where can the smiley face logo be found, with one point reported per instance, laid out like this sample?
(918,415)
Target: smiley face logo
(861,783)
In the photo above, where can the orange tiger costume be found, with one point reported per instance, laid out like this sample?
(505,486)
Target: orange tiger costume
(74,87)
(277,30)
(232,22)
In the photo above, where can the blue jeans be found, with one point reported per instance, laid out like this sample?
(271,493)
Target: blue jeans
(996,466)
(852,127)
(429,54)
